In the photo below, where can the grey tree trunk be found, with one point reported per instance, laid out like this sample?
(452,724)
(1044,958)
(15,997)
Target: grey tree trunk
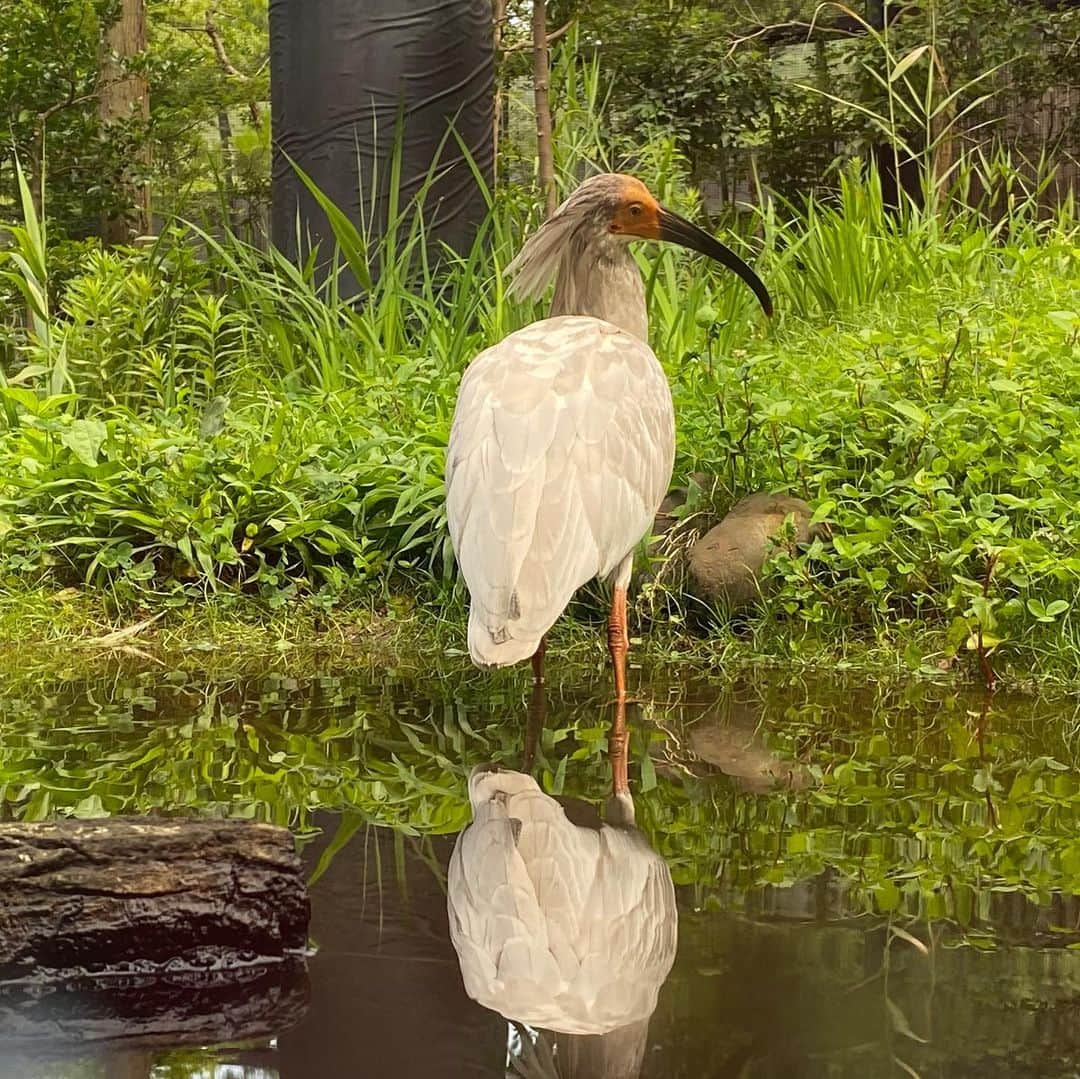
(124,97)
(228,171)
(545,151)
(498,23)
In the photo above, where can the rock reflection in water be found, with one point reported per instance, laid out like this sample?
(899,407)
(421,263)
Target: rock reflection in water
(563,923)
(728,737)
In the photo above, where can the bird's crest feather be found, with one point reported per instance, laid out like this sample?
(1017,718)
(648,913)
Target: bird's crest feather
(538,260)
(536,263)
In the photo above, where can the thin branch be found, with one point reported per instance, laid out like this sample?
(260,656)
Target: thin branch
(736,42)
(562,30)
(44,117)
(525,46)
(218,46)
(794,24)
(226,65)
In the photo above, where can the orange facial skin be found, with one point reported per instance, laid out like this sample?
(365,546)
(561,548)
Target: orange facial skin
(638,213)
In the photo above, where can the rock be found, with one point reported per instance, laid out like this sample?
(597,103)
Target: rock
(674,533)
(726,563)
(666,516)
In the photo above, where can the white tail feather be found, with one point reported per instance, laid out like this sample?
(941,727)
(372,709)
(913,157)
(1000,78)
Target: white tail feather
(487,652)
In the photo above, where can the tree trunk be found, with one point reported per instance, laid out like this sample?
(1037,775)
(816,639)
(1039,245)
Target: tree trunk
(824,85)
(942,136)
(228,171)
(157,895)
(498,22)
(541,82)
(124,97)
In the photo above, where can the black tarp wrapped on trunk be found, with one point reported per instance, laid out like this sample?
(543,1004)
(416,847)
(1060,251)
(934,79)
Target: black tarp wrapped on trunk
(342,74)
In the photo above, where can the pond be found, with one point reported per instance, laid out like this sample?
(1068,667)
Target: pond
(871,880)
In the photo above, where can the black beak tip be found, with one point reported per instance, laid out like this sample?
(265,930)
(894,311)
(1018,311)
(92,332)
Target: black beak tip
(757,286)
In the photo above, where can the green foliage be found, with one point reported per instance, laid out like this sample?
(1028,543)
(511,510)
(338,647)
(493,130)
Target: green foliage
(49,57)
(770,97)
(926,806)
(23,267)
(918,802)
(780,94)
(301,499)
(178,425)
(210,123)
(930,421)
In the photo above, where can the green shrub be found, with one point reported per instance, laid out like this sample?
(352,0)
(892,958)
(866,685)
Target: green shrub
(182,424)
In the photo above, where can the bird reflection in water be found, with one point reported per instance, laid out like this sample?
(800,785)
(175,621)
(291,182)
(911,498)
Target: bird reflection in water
(563,922)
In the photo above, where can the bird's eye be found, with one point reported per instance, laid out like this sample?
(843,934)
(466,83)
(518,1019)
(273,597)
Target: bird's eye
(636,209)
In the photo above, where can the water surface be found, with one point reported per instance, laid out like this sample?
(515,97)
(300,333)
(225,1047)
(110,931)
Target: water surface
(872,881)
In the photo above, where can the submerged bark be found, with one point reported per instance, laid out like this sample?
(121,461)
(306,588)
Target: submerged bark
(121,1024)
(87,903)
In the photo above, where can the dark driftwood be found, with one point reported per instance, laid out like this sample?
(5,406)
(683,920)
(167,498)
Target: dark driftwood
(114,1022)
(123,902)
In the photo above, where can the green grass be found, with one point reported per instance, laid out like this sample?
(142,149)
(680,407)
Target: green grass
(225,442)
(44,630)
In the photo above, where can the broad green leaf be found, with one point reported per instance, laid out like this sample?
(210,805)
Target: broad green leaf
(911,411)
(85,438)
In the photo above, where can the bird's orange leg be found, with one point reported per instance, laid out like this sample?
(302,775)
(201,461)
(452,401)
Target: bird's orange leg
(537,708)
(618,739)
(538,661)
(534,725)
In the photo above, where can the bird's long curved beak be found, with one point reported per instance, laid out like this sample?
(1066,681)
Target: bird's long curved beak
(678,230)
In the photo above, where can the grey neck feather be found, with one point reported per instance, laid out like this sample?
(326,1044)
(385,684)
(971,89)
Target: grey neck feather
(598,276)
(619,811)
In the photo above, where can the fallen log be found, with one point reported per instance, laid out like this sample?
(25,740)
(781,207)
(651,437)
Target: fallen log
(123,902)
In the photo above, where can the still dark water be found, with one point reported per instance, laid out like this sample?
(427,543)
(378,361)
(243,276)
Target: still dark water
(871,880)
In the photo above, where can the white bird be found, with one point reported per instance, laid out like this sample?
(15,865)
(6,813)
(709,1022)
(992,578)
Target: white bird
(563,926)
(563,436)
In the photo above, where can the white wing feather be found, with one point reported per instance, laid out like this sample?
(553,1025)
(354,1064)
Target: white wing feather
(560,453)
